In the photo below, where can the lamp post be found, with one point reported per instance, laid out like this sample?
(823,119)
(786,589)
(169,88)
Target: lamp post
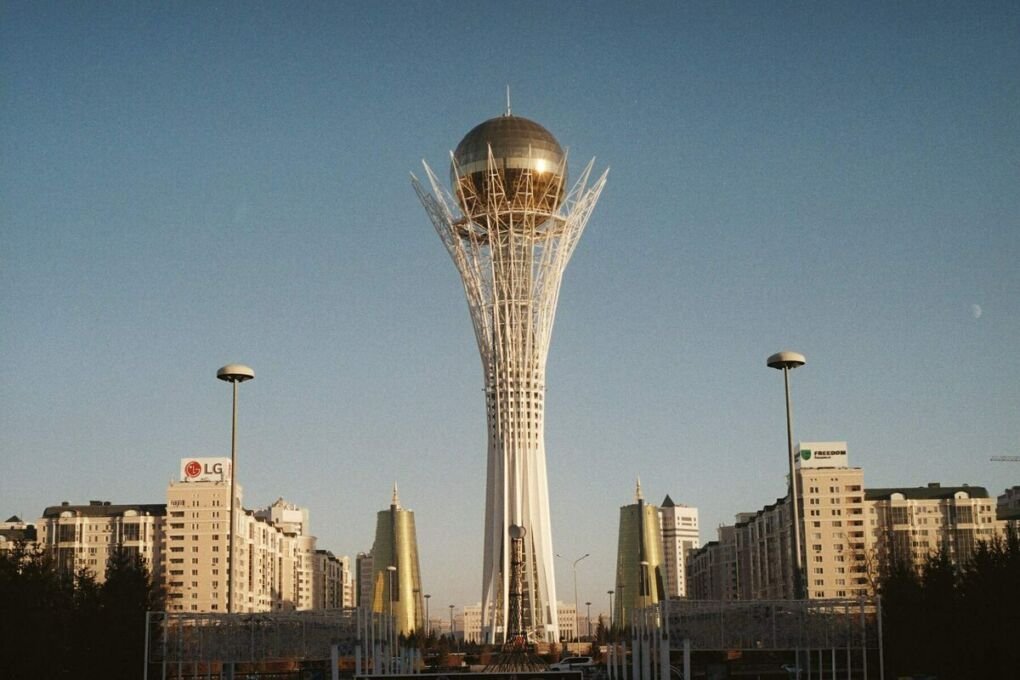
(645,594)
(786,361)
(233,373)
(391,570)
(428,621)
(577,633)
(611,613)
(588,604)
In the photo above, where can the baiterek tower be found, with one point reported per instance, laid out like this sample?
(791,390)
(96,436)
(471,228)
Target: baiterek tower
(510,223)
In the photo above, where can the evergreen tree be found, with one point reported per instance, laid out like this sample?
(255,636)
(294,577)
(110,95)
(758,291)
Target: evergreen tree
(955,623)
(36,627)
(126,595)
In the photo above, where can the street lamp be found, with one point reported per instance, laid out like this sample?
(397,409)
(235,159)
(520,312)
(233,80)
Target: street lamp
(588,604)
(785,361)
(391,570)
(611,612)
(645,590)
(233,373)
(428,621)
(453,637)
(577,633)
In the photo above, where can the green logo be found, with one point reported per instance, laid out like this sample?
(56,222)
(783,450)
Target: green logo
(805,454)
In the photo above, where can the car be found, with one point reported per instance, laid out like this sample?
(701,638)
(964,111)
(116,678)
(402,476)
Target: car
(573,663)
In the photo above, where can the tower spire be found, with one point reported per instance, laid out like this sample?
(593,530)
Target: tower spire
(638,496)
(508,100)
(396,497)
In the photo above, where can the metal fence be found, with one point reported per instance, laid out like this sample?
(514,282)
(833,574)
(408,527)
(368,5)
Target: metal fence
(213,645)
(773,624)
(823,639)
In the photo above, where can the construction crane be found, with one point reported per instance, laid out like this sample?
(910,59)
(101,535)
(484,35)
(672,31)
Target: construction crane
(1006,459)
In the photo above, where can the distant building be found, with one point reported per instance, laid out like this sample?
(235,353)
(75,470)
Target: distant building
(469,622)
(848,533)
(639,561)
(1008,504)
(910,523)
(680,537)
(275,558)
(86,536)
(332,586)
(472,623)
(834,540)
(364,579)
(712,568)
(14,531)
(568,620)
(396,575)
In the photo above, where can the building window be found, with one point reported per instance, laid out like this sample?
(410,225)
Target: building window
(131,532)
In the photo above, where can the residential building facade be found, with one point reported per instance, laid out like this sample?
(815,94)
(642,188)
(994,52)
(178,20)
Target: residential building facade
(86,536)
(847,533)
(680,537)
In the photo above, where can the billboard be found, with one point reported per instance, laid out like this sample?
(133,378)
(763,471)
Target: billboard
(205,469)
(822,455)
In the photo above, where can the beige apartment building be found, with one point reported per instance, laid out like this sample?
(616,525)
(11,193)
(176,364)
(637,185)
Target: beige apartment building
(848,532)
(712,569)
(834,538)
(14,531)
(469,622)
(85,536)
(333,587)
(275,559)
(908,524)
(184,543)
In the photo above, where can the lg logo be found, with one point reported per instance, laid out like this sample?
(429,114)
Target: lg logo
(194,469)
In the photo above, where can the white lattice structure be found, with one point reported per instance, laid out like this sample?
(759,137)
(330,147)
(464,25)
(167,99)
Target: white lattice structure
(511,227)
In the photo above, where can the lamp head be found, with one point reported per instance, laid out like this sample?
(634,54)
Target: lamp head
(235,373)
(781,360)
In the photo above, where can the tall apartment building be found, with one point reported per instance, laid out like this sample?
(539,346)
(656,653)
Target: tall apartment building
(364,579)
(847,533)
(712,568)
(347,582)
(834,536)
(910,523)
(680,537)
(197,526)
(764,553)
(184,543)
(85,536)
(639,560)
(274,565)
(332,587)
(396,574)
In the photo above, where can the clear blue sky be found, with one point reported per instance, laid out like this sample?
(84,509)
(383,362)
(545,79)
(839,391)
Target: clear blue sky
(186,185)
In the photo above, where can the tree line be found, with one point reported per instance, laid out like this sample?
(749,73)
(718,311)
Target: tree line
(59,625)
(955,621)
